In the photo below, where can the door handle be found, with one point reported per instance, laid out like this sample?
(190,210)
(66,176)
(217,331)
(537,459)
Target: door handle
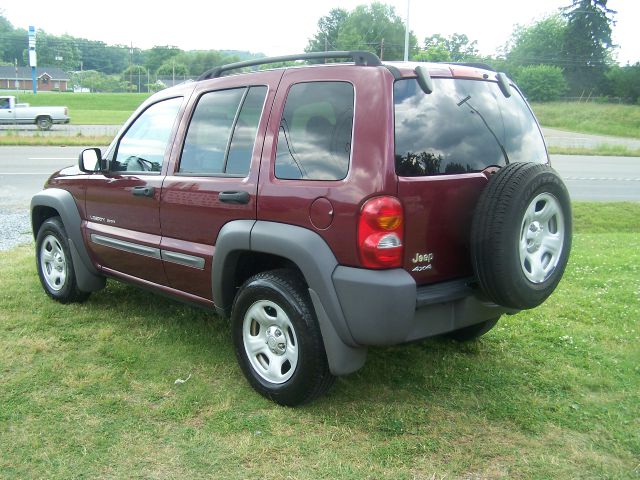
(143,191)
(239,198)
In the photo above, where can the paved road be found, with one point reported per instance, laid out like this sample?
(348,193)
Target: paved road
(63,130)
(560,138)
(554,137)
(23,171)
(600,178)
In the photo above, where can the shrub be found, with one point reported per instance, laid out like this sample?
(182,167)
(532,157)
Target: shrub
(541,83)
(625,82)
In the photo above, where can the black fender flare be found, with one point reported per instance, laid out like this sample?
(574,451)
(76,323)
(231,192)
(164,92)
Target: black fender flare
(315,260)
(88,277)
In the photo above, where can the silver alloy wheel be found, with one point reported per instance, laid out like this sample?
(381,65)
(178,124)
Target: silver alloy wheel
(53,263)
(541,237)
(270,341)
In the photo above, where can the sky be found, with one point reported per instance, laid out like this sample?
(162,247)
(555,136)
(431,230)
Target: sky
(280,27)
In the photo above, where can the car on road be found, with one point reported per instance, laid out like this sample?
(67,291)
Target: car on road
(322,208)
(13,113)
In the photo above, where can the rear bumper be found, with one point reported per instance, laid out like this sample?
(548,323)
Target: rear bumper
(386,307)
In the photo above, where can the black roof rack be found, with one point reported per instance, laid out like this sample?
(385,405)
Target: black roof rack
(359,58)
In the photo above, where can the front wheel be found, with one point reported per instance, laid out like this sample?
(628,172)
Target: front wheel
(277,339)
(55,265)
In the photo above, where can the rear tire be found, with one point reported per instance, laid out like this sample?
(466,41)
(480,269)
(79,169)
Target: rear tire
(55,264)
(277,339)
(44,123)
(472,332)
(521,235)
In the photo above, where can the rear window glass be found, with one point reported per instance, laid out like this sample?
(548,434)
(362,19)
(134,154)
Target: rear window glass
(463,126)
(314,142)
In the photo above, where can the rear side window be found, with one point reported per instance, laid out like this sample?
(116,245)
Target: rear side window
(314,142)
(463,126)
(222,132)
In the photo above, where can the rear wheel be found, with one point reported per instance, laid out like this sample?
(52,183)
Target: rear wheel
(55,265)
(277,339)
(521,235)
(44,123)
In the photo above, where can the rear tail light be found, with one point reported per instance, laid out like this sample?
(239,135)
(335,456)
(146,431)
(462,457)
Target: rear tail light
(380,233)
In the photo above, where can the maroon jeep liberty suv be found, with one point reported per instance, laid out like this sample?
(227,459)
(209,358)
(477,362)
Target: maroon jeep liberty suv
(323,208)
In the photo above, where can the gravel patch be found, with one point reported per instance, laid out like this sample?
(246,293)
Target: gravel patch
(15,226)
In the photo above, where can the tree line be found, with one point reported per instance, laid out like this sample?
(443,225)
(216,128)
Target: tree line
(568,53)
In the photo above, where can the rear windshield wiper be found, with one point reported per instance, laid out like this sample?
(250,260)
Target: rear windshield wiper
(464,101)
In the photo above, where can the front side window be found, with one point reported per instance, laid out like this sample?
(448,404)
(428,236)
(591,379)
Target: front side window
(222,132)
(314,142)
(462,126)
(143,146)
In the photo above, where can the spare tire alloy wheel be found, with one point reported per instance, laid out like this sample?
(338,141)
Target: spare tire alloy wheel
(541,238)
(521,235)
(277,338)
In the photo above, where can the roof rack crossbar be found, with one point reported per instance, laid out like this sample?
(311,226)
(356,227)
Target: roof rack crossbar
(359,57)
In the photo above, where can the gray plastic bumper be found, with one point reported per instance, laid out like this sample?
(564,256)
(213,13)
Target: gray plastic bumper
(386,308)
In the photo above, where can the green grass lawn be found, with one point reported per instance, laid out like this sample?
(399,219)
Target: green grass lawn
(90,108)
(89,390)
(596,118)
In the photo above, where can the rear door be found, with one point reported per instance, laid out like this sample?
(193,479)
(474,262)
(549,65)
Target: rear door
(123,205)
(214,174)
(446,145)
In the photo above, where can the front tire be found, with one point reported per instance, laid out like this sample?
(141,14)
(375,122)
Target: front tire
(277,339)
(55,265)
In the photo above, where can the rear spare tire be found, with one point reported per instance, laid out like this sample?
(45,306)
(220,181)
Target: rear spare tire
(521,235)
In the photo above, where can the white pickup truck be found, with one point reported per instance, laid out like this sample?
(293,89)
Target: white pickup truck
(21,113)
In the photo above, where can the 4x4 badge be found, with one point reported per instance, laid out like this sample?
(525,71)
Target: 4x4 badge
(422,258)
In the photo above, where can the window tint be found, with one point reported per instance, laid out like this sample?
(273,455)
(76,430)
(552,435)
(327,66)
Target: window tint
(207,147)
(463,126)
(143,146)
(244,134)
(314,142)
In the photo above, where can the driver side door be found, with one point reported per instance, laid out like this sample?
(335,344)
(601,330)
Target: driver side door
(123,204)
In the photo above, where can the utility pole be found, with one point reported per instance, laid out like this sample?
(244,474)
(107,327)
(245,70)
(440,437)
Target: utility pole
(406,35)
(382,49)
(33,62)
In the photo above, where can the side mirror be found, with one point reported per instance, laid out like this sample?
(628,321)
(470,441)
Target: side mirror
(90,160)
